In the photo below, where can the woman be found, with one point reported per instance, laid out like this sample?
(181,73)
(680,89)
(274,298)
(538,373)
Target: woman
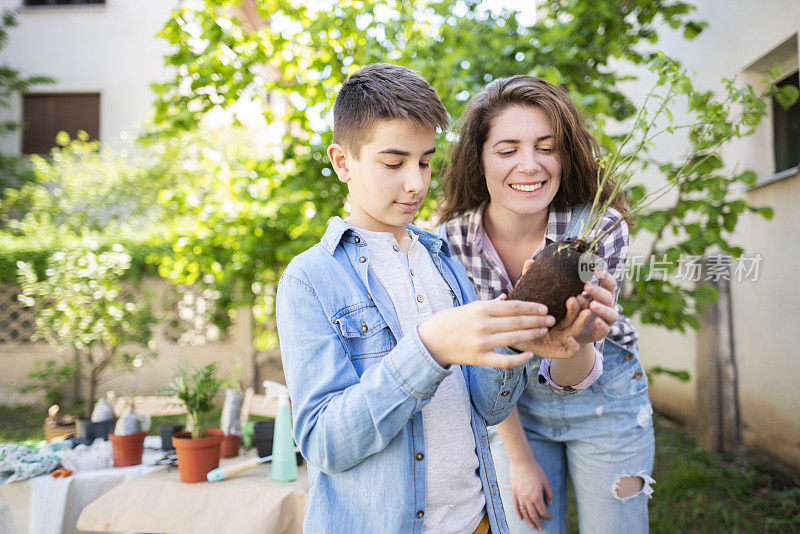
(524,166)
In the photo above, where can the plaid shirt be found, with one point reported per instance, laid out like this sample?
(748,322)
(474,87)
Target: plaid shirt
(466,238)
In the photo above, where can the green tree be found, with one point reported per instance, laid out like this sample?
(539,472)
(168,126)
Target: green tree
(289,60)
(84,312)
(82,189)
(14,171)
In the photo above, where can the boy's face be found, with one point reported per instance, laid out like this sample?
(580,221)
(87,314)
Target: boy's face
(391,176)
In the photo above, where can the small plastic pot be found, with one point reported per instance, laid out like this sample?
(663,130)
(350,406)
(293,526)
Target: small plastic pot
(230,446)
(247,434)
(89,430)
(127,450)
(166,432)
(196,457)
(263,432)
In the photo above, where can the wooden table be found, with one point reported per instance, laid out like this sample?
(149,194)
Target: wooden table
(160,502)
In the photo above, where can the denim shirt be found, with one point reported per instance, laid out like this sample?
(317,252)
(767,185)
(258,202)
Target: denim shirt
(358,387)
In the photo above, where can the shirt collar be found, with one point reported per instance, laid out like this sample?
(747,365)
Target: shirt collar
(552,233)
(555,230)
(339,230)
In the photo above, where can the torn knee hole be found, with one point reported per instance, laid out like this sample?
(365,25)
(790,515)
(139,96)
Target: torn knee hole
(629,486)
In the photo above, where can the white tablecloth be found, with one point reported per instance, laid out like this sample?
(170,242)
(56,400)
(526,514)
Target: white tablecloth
(48,505)
(247,503)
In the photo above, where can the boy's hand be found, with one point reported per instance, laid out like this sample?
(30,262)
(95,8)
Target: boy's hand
(469,334)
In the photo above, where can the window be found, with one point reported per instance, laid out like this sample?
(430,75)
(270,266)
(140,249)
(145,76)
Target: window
(786,129)
(44,115)
(61,2)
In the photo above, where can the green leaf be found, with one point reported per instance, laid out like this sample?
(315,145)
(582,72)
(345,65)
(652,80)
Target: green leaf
(787,96)
(681,375)
(692,29)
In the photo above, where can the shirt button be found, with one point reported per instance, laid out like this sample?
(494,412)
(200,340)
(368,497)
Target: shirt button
(369,295)
(452,293)
(638,375)
(357,239)
(364,327)
(420,514)
(362,259)
(420,456)
(420,298)
(504,394)
(396,248)
(411,271)
(628,357)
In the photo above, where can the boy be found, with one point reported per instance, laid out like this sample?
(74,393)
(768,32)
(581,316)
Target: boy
(392,383)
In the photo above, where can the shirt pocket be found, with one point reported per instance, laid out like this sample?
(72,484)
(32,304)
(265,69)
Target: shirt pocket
(623,376)
(364,333)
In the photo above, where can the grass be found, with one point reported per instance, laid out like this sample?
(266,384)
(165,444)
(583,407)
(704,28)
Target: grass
(702,491)
(696,490)
(24,423)
(21,423)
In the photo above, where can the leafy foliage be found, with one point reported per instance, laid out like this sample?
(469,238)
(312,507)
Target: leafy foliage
(225,221)
(704,213)
(50,376)
(288,60)
(196,389)
(82,310)
(83,190)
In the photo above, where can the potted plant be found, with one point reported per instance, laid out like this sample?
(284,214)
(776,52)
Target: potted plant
(198,450)
(127,441)
(231,414)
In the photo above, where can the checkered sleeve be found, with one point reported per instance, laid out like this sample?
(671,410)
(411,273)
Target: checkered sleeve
(613,248)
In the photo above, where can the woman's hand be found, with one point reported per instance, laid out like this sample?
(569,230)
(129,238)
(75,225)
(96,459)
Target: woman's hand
(599,299)
(469,334)
(561,340)
(531,492)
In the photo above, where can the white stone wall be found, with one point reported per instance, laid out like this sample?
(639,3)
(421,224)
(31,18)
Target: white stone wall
(742,38)
(111,49)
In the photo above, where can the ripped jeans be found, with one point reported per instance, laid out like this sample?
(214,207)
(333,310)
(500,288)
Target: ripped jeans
(597,437)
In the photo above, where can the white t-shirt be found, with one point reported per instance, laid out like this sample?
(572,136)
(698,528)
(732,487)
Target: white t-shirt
(454,500)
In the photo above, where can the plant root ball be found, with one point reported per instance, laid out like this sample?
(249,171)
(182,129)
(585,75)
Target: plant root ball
(554,277)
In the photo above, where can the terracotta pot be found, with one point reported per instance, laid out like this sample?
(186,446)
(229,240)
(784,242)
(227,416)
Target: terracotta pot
(230,446)
(196,457)
(127,449)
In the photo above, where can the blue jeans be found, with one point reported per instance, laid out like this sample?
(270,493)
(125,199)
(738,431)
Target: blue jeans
(596,437)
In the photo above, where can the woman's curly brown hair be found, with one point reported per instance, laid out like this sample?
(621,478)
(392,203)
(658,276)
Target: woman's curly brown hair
(464,184)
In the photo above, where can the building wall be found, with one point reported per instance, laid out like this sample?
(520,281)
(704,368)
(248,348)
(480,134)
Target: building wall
(111,49)
(742,38)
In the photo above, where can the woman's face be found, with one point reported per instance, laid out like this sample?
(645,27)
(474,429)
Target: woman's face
(520,162)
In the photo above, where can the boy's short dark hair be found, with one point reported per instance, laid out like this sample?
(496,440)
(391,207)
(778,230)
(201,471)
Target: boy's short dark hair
(383,91)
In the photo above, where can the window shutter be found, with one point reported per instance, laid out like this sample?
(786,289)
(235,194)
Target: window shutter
(44,115)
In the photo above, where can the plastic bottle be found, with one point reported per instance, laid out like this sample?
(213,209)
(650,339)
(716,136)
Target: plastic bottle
(284,461)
